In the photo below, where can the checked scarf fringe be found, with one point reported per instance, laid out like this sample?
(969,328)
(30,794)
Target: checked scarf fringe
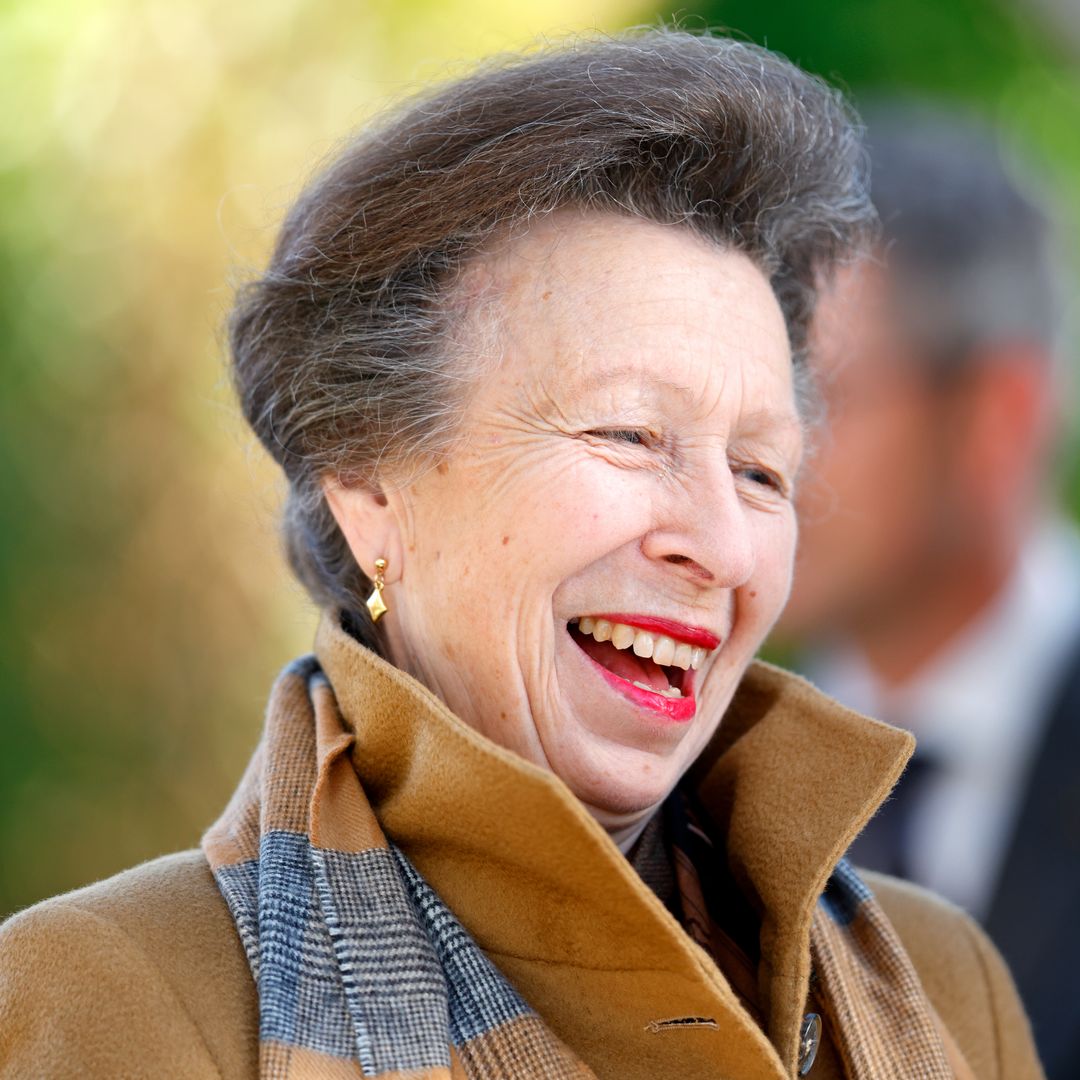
(870,991)
(362,971)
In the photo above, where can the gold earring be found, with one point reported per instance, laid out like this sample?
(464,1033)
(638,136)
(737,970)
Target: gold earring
(375,603)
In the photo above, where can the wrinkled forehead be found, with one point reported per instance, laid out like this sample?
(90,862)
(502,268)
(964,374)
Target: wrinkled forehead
(585,296)
(577,255)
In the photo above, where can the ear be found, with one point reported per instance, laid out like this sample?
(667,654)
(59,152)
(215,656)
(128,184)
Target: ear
(364,515)
(1011,425)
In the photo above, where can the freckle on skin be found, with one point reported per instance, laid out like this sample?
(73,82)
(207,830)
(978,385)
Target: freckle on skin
(442,468)
(546,294)
(753,593)
(506,540)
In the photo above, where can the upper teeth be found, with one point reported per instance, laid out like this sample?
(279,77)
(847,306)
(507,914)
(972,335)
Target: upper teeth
(665,651)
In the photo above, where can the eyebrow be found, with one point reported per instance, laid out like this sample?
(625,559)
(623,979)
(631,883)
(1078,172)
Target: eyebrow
(591,380)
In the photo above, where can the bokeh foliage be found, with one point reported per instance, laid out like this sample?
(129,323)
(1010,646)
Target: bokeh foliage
(147,151)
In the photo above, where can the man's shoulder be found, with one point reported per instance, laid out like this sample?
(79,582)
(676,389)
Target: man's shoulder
(964,977)
(126,969)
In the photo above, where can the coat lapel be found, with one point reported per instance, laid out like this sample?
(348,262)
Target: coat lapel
(789,780)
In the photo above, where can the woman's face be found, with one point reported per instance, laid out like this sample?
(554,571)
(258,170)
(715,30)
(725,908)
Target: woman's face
(626,474)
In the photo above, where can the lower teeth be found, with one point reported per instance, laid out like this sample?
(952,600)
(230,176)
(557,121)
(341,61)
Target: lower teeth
(671,691)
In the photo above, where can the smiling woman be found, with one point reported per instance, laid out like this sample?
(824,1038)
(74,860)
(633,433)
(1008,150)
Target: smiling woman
(529,355)
(581,484)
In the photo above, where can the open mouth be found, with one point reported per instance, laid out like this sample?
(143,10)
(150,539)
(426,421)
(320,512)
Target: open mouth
(651,661)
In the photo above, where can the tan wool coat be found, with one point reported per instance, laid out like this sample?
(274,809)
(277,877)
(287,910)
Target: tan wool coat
(143,975)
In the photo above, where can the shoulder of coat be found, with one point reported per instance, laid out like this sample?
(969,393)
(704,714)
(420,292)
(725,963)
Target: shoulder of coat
(155,942)
(964,977)
(175,893)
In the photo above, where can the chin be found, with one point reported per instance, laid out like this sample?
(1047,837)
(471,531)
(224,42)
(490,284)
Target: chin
(652,782)
(629,802)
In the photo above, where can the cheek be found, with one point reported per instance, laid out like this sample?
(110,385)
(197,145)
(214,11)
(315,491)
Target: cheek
(767,591)
(854,502)
(874,457)
(501,538)
(849,458)
(596,507)
(558,513)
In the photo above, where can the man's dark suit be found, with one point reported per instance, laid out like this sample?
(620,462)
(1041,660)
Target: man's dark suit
(1034,913)
(1034,917)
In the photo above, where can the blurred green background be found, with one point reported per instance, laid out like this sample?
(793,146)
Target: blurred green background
(147,151)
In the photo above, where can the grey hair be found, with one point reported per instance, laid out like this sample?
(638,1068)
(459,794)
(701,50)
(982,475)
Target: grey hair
(348,353)
(970,242)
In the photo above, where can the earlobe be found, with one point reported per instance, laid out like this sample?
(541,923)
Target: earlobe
(367,521)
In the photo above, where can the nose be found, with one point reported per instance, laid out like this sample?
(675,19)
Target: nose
(704,532)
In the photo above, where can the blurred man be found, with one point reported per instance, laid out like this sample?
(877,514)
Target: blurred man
(937,586)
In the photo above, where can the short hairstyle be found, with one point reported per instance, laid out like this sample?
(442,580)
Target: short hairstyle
(344,353)
(970,245)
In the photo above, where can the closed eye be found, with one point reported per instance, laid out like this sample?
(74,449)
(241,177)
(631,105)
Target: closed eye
(623,435)
(764,478)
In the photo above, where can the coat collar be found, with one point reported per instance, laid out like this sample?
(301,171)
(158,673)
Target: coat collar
(789,780)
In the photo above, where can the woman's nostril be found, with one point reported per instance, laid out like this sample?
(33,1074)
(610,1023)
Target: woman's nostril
(697,569)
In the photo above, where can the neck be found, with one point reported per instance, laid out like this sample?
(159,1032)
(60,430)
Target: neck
(624,829)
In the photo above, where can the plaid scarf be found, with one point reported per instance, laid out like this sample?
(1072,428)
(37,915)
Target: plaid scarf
(362,971)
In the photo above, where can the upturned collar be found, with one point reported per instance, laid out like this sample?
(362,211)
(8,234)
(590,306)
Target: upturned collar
(788,781)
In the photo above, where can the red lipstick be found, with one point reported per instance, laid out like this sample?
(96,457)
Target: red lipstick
(692,635)
(678,709)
